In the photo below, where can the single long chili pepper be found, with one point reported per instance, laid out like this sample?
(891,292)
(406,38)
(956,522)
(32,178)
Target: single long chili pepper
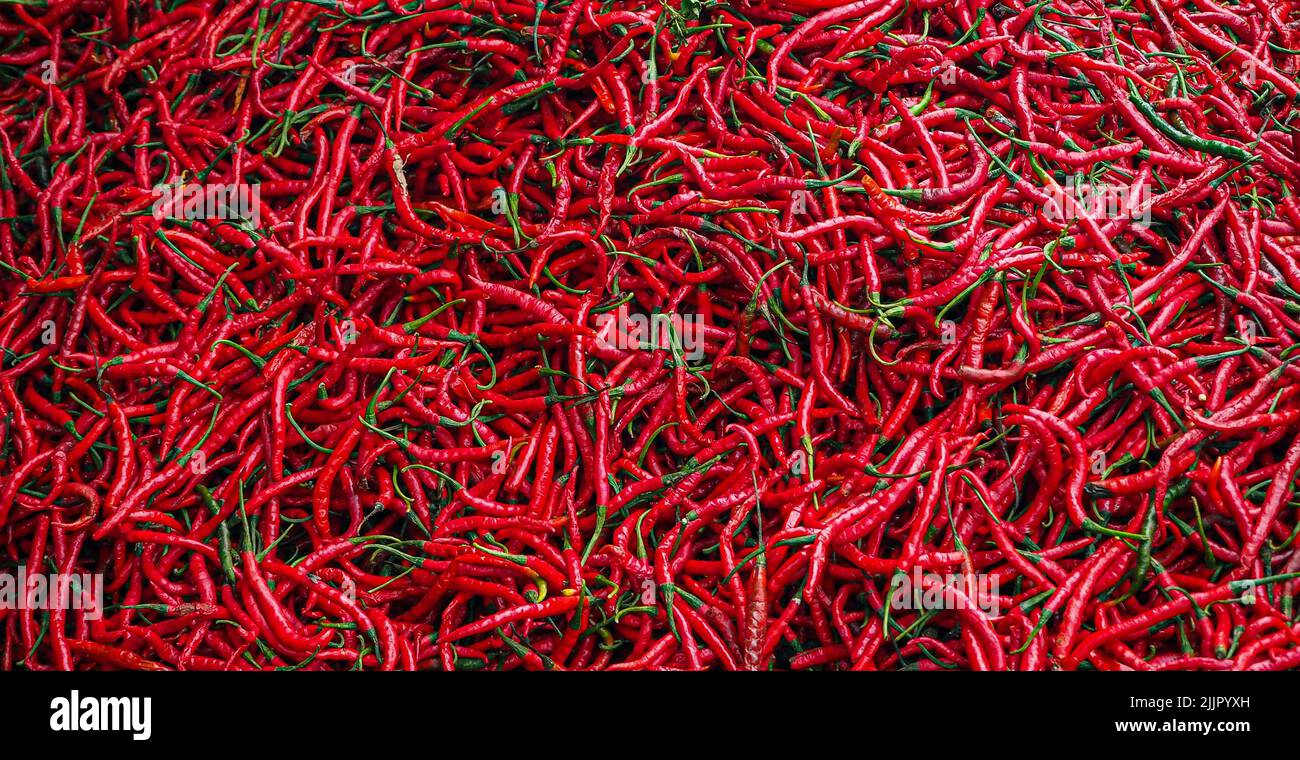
(114,656)
(556,606)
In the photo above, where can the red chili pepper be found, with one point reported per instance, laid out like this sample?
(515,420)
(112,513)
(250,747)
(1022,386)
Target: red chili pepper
(573,344)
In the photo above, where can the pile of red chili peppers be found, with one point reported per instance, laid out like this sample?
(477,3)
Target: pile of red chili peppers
(382,421)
